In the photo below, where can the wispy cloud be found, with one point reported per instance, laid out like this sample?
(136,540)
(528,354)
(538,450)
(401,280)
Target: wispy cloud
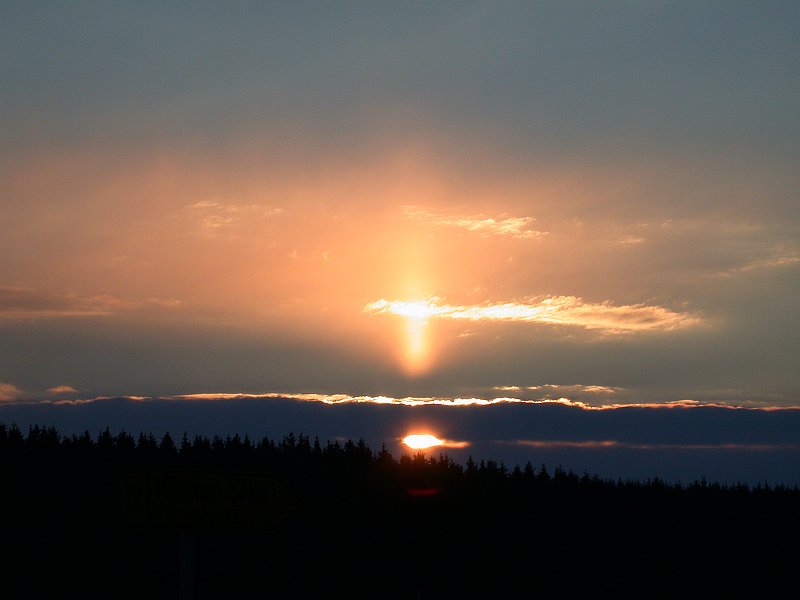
(611,444)
(28,303)
(79,401)
(62,389)
(777,260)
(551,310)
(217,219)
(561,389)
(9,392)
(578,388)
(516,227)
(631,240)
(23,303)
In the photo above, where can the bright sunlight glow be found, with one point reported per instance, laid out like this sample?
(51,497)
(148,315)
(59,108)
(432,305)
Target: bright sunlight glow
(420,441)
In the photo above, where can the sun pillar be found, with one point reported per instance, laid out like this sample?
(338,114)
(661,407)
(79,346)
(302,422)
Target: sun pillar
(417,353)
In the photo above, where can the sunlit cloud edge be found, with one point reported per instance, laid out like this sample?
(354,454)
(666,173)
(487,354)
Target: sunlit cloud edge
(410,401)
(548,310)
(569,388)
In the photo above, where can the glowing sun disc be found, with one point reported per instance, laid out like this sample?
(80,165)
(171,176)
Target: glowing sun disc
(420,441)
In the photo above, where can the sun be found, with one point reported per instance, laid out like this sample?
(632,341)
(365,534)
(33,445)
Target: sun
(421,441)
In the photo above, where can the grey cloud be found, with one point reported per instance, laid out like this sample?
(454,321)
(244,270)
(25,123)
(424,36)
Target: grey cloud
(26,303)
(23,303)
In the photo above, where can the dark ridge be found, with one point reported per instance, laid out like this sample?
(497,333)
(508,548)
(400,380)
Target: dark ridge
(124,516)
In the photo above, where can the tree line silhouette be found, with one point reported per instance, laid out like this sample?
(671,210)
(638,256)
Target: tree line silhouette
(363,523)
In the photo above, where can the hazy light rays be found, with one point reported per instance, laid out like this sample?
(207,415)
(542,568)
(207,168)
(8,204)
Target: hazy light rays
(416,356)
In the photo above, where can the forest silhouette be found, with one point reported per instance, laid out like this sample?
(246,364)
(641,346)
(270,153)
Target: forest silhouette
(124,516)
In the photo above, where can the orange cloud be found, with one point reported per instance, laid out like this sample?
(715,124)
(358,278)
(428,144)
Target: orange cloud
(9,392)
(80,401)
(217,219)
(62,389)
(517,227)
(577,388)
(777,261)
(553,310)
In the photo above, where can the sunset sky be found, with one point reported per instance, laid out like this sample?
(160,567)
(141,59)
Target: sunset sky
(593,202)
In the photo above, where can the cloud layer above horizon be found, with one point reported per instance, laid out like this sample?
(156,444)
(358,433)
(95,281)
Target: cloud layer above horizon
(681,441)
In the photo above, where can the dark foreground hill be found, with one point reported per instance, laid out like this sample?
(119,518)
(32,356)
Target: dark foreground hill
(138,517)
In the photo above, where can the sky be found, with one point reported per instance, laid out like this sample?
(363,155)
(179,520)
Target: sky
(587,203)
